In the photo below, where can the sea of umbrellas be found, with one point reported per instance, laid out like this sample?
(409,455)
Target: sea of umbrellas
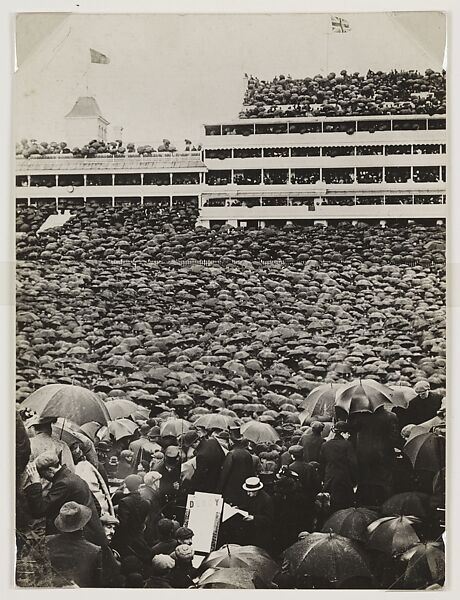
(133,314)
(342,94)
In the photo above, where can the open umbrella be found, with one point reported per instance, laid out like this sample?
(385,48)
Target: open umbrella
(118,429)
(258,432)
(246,557)
(230,578)
(392,535)
(66,431)
(415,504)
(68,401)
(174,427)
(402,395)
(215,421)
(91,429)
(362,395)
(426,451)
(320,401)
(120,408)
(88,368)
(426,564)
(328,556)
(350,522)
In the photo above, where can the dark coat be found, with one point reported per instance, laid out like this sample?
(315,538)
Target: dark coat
(311,443)
(76,559)
(182,575)
(259,532)
(238,466)
(65,487)
(338,468)
(168,478)
(132,512)
(209,460)
(308,479)
(418,411)
(154,514)
(129,535)
(375,437)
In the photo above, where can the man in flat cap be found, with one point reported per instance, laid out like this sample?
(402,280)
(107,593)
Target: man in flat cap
(423,407)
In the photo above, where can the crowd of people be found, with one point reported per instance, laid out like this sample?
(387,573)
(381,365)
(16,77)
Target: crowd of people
(218,337)
(97,148)
(346,94)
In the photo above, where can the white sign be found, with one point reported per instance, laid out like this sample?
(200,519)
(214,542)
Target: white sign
(202,515)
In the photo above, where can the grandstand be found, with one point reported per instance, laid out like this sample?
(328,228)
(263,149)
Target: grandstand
(356,155)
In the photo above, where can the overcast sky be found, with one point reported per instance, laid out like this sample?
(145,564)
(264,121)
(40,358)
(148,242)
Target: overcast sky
(169,74)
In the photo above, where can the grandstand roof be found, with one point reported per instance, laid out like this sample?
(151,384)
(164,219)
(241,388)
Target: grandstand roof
(84,107)
(155,163)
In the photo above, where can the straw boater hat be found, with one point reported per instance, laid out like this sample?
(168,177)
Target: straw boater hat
(72,517)
(252,484)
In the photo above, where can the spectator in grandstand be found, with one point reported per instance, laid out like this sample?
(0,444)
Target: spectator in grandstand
(344,94)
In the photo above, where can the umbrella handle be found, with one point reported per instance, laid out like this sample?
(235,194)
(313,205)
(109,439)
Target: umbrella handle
(62,428)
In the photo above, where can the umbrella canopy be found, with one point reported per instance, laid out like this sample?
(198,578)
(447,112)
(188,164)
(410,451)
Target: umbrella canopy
(392,535)
(69,401)
(118,429)
(320,401)
(363,395)
(328,556)
(402,395)
(350,523)
(230,578)
(174,427)
(120,408)
(91,429)
(246,557)
(415,504)
(258,432)
(215,421)
(67,431)
(426,451)
(426,564)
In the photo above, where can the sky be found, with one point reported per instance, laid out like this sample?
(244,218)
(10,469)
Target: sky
(170,74)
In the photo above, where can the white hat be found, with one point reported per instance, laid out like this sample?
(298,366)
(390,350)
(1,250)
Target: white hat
(252,484)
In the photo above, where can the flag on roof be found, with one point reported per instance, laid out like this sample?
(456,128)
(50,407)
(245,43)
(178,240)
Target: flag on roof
(98,57)
(340,25)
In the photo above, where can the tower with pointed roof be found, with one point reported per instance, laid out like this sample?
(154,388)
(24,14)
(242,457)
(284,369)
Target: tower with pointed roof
(85,122)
